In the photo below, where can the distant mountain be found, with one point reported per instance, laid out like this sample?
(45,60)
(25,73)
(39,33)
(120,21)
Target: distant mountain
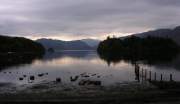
(66,45)
(171,33)
(91,42)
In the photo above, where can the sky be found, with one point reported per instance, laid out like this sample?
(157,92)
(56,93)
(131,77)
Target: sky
(79,19)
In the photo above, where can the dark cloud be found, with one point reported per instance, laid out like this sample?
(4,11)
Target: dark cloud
(85,18)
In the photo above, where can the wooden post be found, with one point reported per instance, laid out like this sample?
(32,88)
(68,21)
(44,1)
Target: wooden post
(149,75)
(155,76)
(171,78)
(161,77)
(145,74)
(142,74)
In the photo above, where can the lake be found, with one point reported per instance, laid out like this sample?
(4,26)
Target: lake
(66,64)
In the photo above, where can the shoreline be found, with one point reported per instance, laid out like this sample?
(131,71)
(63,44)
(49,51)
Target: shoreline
(57,92)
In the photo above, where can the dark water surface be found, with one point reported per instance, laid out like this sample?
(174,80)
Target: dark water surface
(66,64)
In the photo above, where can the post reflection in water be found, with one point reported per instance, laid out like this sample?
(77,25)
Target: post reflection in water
(137,68)
(66,65)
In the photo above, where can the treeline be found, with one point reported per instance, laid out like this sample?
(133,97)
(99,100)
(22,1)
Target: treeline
(137,48)
(19,45)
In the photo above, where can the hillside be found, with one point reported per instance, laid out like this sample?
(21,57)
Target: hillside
(19,45)
(170,33)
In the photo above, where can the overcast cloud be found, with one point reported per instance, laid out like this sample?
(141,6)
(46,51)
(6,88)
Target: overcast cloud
(75,19)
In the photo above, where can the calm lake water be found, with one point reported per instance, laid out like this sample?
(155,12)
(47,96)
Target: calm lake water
(66,64)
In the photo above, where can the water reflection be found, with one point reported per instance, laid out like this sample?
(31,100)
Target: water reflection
(74,54)
(170,61)
(15,59)
(67,65)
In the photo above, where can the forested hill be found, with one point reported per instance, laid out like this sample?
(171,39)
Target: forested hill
(19,45)
(140,48)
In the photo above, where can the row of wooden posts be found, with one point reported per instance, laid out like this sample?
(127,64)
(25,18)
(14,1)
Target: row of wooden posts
(143,75)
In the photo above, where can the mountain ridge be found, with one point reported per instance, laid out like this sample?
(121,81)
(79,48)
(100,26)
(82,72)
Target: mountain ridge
(84,44)
(169,33)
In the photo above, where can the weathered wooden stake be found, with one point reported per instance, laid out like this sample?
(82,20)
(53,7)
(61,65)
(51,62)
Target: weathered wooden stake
(145,74)
(142,74)
(171,78)
(155,76)
(161,77)
(149,75)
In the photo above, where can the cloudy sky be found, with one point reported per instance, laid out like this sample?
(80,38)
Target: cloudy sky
(76,19)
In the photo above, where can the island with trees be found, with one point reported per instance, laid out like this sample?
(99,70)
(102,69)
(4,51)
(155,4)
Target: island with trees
(135,48)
